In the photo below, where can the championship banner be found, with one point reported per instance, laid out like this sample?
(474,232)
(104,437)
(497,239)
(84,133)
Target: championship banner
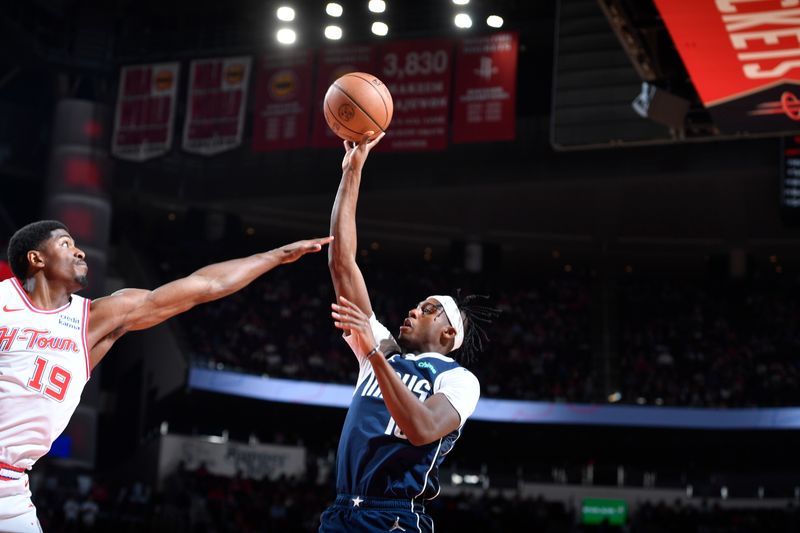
(418,76)
(485,95)
(283,101)
(215,104)
(743,58)
(145,111)
(334,62)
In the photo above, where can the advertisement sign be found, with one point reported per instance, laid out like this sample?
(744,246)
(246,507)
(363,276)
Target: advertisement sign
(254,461)
(743,58)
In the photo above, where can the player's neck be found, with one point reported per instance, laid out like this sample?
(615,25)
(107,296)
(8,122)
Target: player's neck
(46,294)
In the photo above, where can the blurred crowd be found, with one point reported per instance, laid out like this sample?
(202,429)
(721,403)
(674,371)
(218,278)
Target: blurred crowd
(280,326)
(200,502)
(711,344)
(680,343)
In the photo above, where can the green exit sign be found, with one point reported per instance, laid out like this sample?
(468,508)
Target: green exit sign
(596,511)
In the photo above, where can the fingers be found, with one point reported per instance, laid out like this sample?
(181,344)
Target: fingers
(344,320)
(350,306)
(376,139)
(367,137)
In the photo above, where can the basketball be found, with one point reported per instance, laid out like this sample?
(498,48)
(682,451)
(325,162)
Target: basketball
(357,103)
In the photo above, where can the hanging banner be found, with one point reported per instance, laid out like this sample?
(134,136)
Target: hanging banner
(334,62)
(485,95)
(215,104)
(743,58)
(145,111)
(282,101)
(417,74)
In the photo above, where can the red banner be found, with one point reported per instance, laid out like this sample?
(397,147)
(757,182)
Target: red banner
(334,62)
(283,101)
(215,104)
(743,58)
(145,111)
(485,95)
(418,76)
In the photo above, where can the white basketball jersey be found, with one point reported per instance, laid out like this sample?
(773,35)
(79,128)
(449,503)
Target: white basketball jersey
(44,365)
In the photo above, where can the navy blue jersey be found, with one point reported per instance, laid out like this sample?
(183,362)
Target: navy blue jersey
(375,458)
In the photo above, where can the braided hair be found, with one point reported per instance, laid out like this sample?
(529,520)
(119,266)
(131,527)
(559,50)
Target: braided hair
(476,318)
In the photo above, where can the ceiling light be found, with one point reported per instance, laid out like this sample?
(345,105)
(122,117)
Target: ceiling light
(463,20)
(494,21)
(286,36)
(334,10)
(380,28)
(333,33)
(285,13)
(377,6)
(461,2)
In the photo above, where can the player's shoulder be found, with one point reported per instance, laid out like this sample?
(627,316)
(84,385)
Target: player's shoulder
(438,362)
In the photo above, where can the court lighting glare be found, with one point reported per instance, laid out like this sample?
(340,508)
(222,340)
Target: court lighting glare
(334,33)
(461,2)
(334,10)
(494,21)
(463,20)
(380,29)
(377,6)
(286,36)
(285,13)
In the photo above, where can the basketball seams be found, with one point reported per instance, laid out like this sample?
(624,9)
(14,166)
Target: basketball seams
(359,107)
(339,122)
(383,100)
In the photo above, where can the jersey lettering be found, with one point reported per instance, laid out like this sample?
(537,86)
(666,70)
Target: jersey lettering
(420,387)
(7,338)
(58,380)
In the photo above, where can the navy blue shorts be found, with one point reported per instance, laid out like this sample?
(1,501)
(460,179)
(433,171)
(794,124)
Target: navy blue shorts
(353,514)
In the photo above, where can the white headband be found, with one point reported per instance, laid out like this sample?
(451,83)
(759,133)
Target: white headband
(453,315)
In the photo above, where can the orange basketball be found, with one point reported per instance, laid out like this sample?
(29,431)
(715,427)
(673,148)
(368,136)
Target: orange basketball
(357,103)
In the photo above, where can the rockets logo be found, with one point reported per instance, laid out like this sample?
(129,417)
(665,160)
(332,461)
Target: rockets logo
(788,104)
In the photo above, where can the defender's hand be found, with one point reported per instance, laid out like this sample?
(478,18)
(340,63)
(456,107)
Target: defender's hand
(290,253)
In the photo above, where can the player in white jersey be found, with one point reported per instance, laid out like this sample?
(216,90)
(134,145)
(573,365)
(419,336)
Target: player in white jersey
(51,339)
(408,409)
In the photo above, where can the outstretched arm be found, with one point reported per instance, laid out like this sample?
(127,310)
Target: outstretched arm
(347,278)
(135,309)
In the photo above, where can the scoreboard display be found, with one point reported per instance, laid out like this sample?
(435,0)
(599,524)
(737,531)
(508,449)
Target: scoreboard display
(790,179)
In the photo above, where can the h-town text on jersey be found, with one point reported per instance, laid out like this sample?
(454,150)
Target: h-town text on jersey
(34,339)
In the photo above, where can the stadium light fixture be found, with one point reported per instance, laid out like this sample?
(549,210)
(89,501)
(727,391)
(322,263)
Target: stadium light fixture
(286,36)
(334,10)
(494,21)
(285,13)
(463,21)
(461,2)
(377,6)
(380,29)
(332,32)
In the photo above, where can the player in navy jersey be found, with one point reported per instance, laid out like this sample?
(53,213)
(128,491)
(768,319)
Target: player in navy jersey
(412,397)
